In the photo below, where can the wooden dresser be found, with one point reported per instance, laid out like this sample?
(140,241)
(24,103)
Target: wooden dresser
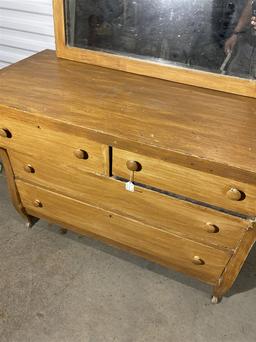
(165,170)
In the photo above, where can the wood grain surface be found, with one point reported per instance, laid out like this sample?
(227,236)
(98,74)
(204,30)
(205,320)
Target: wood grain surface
(236,262)
(63,150)
(168,249)
(201,186)
(149,207)
(60,122)
(206,130)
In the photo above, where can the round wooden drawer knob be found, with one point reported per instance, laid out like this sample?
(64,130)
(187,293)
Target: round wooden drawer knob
(197,261)
(234,194)
(5,133)
(81,154)
(29,168)
(38,204)
(212,228)
(133,165)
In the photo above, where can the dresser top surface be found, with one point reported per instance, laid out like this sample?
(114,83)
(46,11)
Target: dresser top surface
(207,124)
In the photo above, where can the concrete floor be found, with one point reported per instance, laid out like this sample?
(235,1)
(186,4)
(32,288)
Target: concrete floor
(68,288)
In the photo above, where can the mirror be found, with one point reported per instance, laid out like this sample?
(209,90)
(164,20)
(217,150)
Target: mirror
(210,35)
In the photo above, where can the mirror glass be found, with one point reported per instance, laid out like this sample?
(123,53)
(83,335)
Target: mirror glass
(211,35)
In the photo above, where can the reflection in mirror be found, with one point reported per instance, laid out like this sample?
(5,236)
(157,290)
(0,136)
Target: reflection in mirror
(213,35)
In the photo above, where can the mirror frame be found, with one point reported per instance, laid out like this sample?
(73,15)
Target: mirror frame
(198,78)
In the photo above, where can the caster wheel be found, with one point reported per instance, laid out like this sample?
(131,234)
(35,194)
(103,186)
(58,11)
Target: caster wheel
(28,225)
(215,300)
(63,231)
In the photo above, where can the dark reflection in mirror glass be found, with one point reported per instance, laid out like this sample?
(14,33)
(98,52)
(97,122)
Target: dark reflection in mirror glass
(213,35)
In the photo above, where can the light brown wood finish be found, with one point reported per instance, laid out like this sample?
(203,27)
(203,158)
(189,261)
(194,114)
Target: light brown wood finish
(15,197)
(173,250)
(199,128)
(148,68)
(201,186)
(235,264)
(62,149)
(51,108)
(107,155)
(149,207)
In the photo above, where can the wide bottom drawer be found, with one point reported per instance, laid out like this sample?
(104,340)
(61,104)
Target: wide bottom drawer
(195,259)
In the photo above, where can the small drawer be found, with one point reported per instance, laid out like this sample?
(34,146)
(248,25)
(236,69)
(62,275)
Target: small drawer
(62,149)
(198,260)
(201,186)
(163,212)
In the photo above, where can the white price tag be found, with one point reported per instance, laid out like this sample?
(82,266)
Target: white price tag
(129,186)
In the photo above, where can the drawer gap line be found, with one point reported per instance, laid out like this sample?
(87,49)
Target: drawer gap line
(186,199)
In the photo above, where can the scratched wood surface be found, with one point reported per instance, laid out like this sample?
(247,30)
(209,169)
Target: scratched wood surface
(206,129)
(166,213)
(166,248)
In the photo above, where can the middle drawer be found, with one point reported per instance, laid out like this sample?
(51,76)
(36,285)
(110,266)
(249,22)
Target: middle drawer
(150,207)
(201,186)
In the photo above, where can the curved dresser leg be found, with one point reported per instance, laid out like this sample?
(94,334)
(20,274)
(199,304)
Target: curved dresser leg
(15,197)
(28,225)
(30,221)
(235,264)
